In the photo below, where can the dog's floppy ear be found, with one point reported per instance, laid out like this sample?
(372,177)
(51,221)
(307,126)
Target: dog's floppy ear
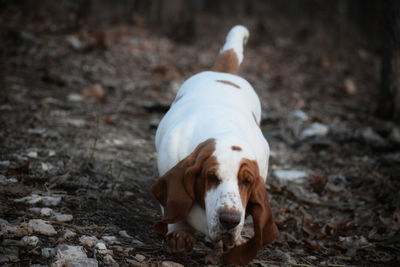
(265,229)
(175,189)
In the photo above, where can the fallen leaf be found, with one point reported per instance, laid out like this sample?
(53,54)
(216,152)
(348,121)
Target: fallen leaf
(94,92)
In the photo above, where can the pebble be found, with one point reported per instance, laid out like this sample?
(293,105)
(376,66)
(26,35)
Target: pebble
(3,180)
(30,240)
(36,199)
(63,217)
(16,231)
(75,97)
(140,257)
(32,154)
(171,264)
(109,260)
(73,256)
(315,129)
(101,246)
(4,163)
(48,252)
(110,239)
(3,221)
(67,252)
(46,166)
(46,212)
(42,227)
(372,138)
(69,234)
(290,175)
(125,234)
(88,241)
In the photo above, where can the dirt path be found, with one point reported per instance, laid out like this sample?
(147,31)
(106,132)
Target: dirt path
(78,118)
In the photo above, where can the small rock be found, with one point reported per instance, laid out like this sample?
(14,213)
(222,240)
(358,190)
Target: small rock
(69,234)
(48,252)
(46,212)
(3,180)
(138,243)
(101,246)
(109,260)
(395,135)
(350,86)
(9,254)
(46,166)
(51,200)
(16,231)
(110,239)
(73,256)
(75,97)
(42,227)
(171,264)
(3,221)
(88,262)
(88,241)
(30,240)
(75,43)
(63,217)
(51,153)
(125,234)
(372,138)
(140,257)
(36,199)
(315,129)
(290,175)
(4,163)
(12,180)
(32,154)
(75,122)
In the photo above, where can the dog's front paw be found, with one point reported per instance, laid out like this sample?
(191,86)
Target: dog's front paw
(180,242)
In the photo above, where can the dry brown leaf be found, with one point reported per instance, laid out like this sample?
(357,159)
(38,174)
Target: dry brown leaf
(94,92)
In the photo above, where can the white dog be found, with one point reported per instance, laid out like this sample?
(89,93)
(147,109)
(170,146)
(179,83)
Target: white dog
(213,161)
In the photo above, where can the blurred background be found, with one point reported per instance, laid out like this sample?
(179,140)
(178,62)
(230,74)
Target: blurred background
(84,85)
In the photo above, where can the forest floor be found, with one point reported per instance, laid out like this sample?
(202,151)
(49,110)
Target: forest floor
(78,114)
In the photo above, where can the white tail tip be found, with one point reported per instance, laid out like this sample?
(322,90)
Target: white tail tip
(236,40)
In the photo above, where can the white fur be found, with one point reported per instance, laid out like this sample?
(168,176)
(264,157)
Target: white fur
(236,39)
(205,108)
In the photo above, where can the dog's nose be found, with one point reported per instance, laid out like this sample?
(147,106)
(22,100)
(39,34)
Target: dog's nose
(229,220)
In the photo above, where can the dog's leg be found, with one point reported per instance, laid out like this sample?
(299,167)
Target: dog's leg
(179,240)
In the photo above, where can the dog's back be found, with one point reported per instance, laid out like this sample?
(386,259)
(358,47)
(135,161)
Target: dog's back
(210,104)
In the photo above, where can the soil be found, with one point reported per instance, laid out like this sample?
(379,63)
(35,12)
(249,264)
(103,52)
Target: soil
(80,107)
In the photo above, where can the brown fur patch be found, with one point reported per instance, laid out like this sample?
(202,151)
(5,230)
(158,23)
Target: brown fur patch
(228,82)
(177,189)
(227,61)
(236,148)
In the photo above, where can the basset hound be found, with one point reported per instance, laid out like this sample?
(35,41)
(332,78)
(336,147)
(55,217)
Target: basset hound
(213,161)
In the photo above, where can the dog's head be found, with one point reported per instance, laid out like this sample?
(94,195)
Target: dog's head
(223,181)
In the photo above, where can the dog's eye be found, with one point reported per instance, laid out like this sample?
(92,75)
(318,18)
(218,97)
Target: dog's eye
(245,182)
(212,178)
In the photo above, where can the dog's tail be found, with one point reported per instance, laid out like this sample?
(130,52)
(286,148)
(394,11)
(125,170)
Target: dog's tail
(231,54)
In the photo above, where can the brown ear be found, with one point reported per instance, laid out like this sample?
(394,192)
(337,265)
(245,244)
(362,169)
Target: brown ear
(175,189)
(265,229)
